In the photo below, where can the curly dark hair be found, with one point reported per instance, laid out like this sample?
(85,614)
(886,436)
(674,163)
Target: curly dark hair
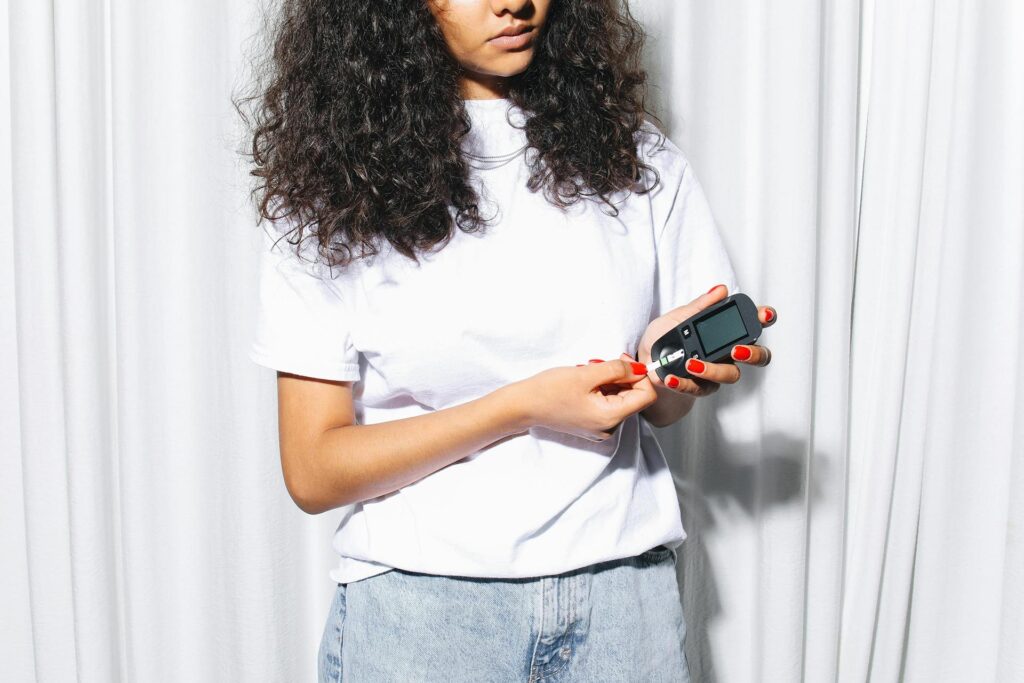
(357,120)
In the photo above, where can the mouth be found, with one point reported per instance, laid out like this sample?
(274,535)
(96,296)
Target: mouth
(514,38)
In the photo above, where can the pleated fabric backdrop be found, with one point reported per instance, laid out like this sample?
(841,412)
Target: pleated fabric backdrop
(854,509)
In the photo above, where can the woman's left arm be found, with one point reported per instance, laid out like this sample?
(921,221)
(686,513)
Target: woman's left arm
(677,395)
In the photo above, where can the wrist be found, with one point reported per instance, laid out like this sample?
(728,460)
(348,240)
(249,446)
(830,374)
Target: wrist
(670,407)
(512,405)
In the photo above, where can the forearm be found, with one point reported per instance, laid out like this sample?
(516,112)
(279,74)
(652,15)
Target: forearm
(358,462)
(670,407)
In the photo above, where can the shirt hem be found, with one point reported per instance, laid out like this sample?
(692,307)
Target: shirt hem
(338,575)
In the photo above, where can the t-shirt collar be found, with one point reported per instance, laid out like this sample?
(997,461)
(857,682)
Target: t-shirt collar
(492,134)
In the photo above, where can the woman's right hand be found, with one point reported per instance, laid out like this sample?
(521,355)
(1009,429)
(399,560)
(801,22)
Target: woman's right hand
(571,400)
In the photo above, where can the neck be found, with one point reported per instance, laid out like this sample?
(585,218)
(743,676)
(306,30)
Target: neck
(476,86)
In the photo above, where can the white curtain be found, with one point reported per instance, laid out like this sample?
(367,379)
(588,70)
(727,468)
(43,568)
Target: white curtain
(854,509)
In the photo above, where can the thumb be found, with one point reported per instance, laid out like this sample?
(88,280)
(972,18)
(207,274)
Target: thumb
(618,370)
(712,296)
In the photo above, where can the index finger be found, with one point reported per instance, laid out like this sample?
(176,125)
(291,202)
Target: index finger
(632,399)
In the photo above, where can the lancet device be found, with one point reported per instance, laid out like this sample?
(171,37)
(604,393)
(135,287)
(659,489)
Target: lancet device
(709,336)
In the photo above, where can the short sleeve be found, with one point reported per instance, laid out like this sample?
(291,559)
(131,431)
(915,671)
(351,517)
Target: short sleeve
(303,323)
(691,256)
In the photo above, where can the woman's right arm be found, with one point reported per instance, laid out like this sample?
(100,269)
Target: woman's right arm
(329,461)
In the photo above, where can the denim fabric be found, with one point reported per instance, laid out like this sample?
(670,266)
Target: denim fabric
(614,621)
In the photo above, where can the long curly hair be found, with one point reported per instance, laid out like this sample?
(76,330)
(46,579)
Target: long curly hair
(356,120)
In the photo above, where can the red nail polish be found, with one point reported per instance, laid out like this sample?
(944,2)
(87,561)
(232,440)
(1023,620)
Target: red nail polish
(639,368)
(672,382)
(741,353)
(712,289)
(695,366)
(595,360)
(768,315)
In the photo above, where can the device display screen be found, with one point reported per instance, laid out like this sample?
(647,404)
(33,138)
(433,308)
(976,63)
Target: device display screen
(721,329)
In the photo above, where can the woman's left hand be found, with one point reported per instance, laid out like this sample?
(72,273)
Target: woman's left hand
(707,377)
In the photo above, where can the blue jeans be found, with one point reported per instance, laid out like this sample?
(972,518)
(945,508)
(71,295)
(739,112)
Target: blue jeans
(613,621)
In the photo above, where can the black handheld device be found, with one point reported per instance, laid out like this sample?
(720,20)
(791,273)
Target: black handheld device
(708,335)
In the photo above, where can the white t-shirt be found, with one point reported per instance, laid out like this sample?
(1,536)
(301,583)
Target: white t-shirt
(542,287)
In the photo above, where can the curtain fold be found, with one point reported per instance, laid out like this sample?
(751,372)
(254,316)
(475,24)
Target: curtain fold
(854,510)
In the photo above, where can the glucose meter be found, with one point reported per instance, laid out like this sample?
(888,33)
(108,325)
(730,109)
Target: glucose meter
(708,336)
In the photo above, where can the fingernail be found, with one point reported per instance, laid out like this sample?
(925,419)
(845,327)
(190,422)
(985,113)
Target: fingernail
(580,365)
(740,352)
(712,289)
(639,368)
(695,366)
(768,315)
(672,382)
(595,360)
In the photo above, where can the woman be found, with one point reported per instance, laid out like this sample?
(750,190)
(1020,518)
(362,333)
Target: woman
(477,203)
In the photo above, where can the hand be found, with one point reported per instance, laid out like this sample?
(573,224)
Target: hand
(580,400)
(707,376)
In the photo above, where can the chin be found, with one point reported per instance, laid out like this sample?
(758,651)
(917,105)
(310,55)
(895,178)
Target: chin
(509,66)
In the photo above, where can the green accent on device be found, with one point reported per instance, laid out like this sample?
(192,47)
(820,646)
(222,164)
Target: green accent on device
(708,335)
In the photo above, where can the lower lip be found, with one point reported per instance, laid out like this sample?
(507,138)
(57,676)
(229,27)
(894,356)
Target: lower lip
(512,42)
